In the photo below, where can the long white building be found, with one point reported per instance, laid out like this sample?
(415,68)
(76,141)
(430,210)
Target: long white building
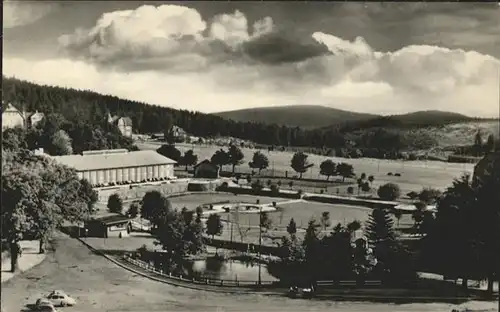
(106,166)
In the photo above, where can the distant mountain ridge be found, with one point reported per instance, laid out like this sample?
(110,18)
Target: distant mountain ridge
(304,116)
(316,116)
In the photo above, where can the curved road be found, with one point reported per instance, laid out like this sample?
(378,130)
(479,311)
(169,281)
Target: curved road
(99,285)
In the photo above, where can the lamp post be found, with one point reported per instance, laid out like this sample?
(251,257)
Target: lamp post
(260,244)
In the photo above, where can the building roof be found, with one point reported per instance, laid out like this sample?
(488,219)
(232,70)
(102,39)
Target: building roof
(109,159)
(10,108)
(112,219)
(206,161)
(126,120)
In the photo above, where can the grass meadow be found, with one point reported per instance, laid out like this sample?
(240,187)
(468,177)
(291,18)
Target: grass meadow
(415,175)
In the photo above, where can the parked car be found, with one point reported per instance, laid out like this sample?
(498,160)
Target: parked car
(61,299)
(296,292)
(44,305)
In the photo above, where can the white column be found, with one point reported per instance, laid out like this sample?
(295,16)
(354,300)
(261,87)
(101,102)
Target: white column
(125,176)
(156,171)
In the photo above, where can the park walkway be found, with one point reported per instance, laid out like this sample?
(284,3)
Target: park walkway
(29,259)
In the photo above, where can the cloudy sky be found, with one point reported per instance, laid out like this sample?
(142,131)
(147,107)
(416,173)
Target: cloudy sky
(215,56)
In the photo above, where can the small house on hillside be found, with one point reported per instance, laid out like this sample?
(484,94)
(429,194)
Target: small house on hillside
(13,117)
(206,170)
(110,225)
(124,124)
(32,119)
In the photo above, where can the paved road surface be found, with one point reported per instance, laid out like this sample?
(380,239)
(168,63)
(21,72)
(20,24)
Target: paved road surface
(100,285)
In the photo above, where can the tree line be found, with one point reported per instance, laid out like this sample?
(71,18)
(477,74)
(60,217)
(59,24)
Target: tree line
(59,136)
(38,195)
(89,107)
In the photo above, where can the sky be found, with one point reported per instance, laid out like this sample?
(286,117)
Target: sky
(381,58)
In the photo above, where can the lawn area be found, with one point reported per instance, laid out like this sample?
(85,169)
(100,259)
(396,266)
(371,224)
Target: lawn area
(195,200)
(246,224)
(301,212)
(414,174)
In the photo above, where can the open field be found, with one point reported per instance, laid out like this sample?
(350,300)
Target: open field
(414,174)
(99,285)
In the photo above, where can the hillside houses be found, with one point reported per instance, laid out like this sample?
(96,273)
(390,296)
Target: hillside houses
(13,117)
(124,124)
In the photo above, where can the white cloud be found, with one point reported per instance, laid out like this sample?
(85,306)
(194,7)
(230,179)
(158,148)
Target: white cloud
(177,59)
(20,13)
(156,33)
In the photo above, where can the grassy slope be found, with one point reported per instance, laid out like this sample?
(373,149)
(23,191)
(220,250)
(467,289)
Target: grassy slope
(463,133)
(307,116)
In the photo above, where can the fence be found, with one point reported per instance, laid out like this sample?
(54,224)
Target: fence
(252,284)
(199,281)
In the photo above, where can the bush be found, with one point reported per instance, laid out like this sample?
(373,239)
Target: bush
(389,174)
(397,174)
(412,195)
(275,190)
(429,195)
(224,186)
(257,186)
(389,191)
(350,190)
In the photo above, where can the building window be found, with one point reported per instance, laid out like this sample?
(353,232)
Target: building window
(86,175)
(144,173)
(100,176)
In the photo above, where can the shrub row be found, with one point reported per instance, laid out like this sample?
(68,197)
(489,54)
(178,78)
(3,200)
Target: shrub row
(273,192)
(129,182)
(318,198)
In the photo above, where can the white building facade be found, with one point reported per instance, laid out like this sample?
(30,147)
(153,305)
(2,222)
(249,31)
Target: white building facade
(112,166)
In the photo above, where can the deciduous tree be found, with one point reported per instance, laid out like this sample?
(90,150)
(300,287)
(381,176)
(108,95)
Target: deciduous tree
(389,191)
(60,144)
(345,170)
(169,151)
(155,207)
(328,168)
(300,164)
(235,155)
(115,203)
(214,225)
(259,161)
(220,158)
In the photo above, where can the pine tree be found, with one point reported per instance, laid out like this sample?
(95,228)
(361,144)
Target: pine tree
(292,227)
(380,233)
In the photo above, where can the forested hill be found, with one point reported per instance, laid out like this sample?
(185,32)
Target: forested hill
(305,116)
(86,106)
(90,106)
